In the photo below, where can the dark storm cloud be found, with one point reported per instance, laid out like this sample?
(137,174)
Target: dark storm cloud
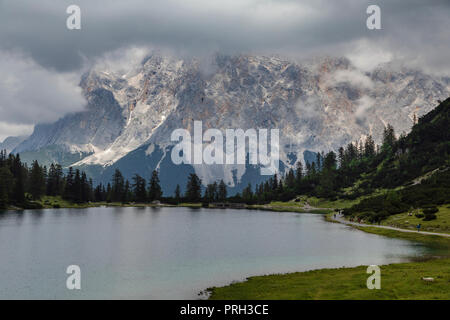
(29,93)
(201,26)
(41,60)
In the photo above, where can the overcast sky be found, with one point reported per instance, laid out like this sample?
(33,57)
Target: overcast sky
(41,60)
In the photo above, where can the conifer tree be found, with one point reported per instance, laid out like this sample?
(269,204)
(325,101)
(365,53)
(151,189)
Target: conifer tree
(369,147)
(247,194)
(126,196)
(36,181)
(77,187)
(19,174)
(117,187)
(193,188)
(222,191)
(139,188)
(290,179)
(6,180)
(177,195)
(69,188)
(155,191)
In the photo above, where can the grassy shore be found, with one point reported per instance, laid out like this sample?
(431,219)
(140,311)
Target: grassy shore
(398,281)
(52,202)
(289,207)
(404,221)
(49,202)
(430,240)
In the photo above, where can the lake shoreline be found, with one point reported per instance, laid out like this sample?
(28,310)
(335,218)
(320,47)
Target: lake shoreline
(327,212)
(398,281)
(426,265)
(173,253)
(266,207)
(288,207)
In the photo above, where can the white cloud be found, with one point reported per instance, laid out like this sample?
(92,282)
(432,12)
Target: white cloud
(34,90)
(415,31)
(121,61)
(364,104)
(308,108)
(8,129)
(30,93)
(366,55)
(352,76)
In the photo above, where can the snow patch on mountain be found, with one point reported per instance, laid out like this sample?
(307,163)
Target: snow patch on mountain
(318,105)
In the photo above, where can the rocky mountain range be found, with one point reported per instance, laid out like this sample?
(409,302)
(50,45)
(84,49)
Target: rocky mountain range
(318,105)
(11,142)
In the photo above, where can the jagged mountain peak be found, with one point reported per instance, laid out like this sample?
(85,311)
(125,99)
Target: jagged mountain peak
(318,105)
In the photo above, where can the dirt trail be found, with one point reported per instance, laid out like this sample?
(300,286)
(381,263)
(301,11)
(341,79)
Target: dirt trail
(339,218)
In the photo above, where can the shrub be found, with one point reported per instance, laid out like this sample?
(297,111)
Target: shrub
(430,211)
(369,215)
(429,217)
(346,212)
(382,215)
(33,205)
(419,215)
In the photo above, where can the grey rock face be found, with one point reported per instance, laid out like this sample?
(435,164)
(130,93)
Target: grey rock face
(11,142)
(96,127)
(318,105)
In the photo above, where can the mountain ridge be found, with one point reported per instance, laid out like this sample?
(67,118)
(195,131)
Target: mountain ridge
(318,106)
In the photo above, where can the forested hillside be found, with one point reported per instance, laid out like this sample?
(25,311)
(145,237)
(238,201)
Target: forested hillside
(426,150)
(404,173)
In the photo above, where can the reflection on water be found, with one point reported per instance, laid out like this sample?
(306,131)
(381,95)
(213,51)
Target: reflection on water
(172,252)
